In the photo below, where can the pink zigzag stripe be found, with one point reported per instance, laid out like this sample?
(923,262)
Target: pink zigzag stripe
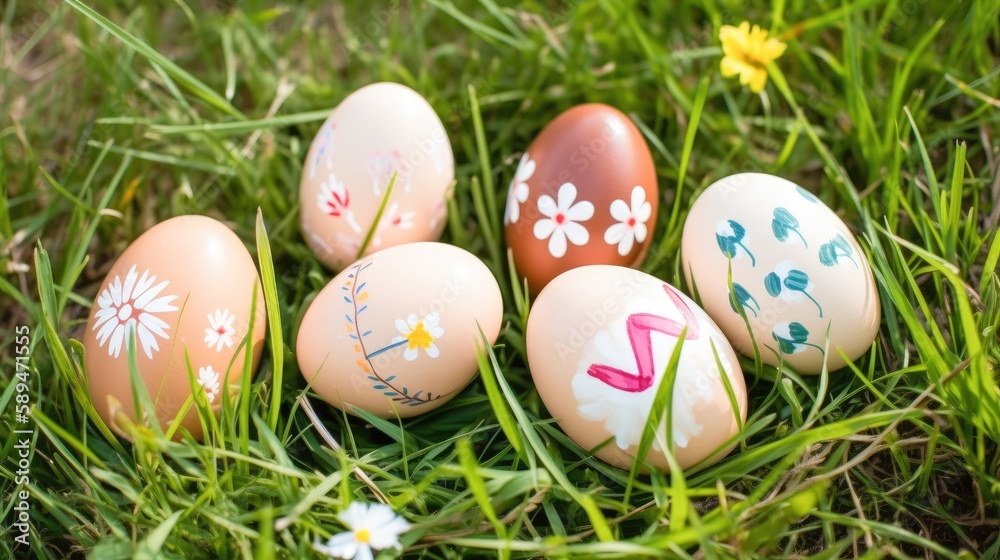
(639,327)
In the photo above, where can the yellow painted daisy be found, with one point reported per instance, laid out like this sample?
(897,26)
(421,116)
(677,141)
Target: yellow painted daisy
(747,53)
(418,334)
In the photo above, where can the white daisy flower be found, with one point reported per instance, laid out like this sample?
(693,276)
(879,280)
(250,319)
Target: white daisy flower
(129,307)
(220,330)
(561,220)
(419,335)
(632,221)
(209,380)
(518,191)
(370,527)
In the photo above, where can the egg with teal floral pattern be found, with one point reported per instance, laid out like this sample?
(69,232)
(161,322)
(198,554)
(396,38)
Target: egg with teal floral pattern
(798,273)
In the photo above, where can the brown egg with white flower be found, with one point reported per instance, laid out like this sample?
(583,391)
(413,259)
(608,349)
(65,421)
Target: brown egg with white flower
(585,192)
(380,130)
(182,293)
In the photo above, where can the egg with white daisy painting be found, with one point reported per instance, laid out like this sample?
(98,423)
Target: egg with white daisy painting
(397,332)
(380,130)
(183,292)
(599,340)
(584,192)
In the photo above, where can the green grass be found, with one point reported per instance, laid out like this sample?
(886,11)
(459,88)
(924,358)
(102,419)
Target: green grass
(889,110)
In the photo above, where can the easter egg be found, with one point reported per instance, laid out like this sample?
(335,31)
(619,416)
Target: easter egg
(183,290)
(396,333)
(379,130)
(797,272)
(599,340)
(584,192)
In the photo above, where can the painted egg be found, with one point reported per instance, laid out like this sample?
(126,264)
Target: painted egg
(584,192)
(378,130)
(183,290)
(797,271)
(599,339)
(396,333)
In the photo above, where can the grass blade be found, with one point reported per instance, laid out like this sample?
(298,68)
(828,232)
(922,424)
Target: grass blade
(194,84)
(273,320)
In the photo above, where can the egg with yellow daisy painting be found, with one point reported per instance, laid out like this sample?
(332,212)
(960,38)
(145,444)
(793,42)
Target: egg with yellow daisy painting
(397,332)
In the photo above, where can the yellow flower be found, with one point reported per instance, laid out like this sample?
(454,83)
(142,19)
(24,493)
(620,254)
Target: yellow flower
(417,334)
(748,51)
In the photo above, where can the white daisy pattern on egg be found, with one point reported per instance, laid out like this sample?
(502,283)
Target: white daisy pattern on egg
(220,329)
(419,335)
(518,192)
(631,226)
(208,379)
(131,306)
(334,200)
(560,222)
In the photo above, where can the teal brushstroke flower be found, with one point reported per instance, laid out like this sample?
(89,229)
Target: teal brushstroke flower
(790,284)
(783,223)
(830,252)
(792,337)
(740,295)
(729,235)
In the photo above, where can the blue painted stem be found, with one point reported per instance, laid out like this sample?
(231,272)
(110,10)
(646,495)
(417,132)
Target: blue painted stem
(849,258)
(804,242)
(820,348)
(814,301)
(753,261)
(389,347)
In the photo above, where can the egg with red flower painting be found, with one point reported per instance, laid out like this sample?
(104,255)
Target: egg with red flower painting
(381,130)
(584,192)
(183,293)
